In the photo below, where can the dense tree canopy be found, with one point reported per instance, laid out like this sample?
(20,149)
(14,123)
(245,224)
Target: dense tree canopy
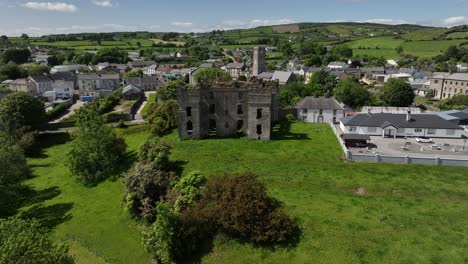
(95,150)
(398,93)
(351,94)
(21,111)
(459,102)
(18,56)
(163,117)
(25,241)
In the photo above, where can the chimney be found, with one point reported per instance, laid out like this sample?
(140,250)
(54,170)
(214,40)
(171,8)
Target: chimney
(408,116)
(369,111)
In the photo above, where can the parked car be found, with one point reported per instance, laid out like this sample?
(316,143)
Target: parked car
(360,145)
(435,147)
(424,140)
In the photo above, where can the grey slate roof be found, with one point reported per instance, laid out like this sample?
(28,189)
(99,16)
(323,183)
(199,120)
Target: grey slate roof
(282,76)
(41,78)
(399,120)
(129,88)
(323,103)
(235,65)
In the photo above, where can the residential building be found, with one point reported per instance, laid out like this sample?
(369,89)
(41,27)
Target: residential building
(181,54)
(400,125)
(67,68)
(283,77)
(319,110)
(41,83)
(448,85)
(22,85)
(459,117)
(162,69)
(337,65)
(150,70)
(226,109)
(462,67)
(98,85)
(131,92)
(145,83)
(140,64)
(235,69)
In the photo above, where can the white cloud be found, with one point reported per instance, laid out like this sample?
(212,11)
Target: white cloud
(234,23)
(454,21)
(182,24)
(51,6)
(103,3)
(387,21)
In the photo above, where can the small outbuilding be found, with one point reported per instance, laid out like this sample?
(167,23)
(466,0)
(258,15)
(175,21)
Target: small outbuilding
(131,92)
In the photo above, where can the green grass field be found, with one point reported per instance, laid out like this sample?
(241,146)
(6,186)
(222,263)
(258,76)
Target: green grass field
(408,214)
(81,45)
(429,48)
(151,99)
(425,34)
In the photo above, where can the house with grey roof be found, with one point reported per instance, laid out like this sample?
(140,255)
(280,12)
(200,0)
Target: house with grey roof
(283,77)
(41,83)
(131,92)
(448,85)
(400,125)
(145,83)
(235,69)
(319,110)
(140,64)
(98,85)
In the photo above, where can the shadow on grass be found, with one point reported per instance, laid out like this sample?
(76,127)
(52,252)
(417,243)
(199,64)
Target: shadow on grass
(49,216)
(45,141)
(282,131)
(124,165)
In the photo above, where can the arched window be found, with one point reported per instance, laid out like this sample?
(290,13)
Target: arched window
(189,127)
(239,110)
(259,113)
(212,108)
(259,129)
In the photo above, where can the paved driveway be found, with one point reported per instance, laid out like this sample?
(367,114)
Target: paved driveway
(450,148)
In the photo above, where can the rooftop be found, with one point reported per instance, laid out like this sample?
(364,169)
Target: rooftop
(399,120)
(323,103)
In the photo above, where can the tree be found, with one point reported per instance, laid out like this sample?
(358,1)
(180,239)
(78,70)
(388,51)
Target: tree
(11,71)
(138,73)
(341,52)
(397,92)
(242,207)
(212,74)
(189,188)
(13,170)
(169,91)
(4,39)
(351,93)
(24,36)
(55,60)
(25,241)
(321,83)
(18,56)
(163,117)
(157,151)
(37,70)
(145,185)
(21,112)
(95,150)
(458,102)
(159,239)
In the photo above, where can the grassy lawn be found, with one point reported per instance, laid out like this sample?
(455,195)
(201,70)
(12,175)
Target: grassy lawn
(429,48)
(408,214)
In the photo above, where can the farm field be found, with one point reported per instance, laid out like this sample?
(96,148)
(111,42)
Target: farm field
(160,41)
(401,214)
(82,45)
(429,48)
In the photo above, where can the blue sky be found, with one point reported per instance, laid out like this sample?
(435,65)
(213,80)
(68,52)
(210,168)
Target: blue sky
(38,17)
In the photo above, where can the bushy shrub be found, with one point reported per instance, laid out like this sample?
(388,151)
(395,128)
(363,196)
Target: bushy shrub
(242,207)
(57,111)
(157,151)
(291,118)
(189,188)
(25,241)
(163,117)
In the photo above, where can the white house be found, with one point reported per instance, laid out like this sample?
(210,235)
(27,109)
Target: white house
(67,68)
(319,110)
(337,65)
(462,66)
(400,125)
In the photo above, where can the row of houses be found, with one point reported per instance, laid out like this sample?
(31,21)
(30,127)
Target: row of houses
(385,122)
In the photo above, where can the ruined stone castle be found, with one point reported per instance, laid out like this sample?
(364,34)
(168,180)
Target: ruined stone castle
(228,108)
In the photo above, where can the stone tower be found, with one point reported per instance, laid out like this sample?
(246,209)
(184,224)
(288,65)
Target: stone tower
(258,61)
